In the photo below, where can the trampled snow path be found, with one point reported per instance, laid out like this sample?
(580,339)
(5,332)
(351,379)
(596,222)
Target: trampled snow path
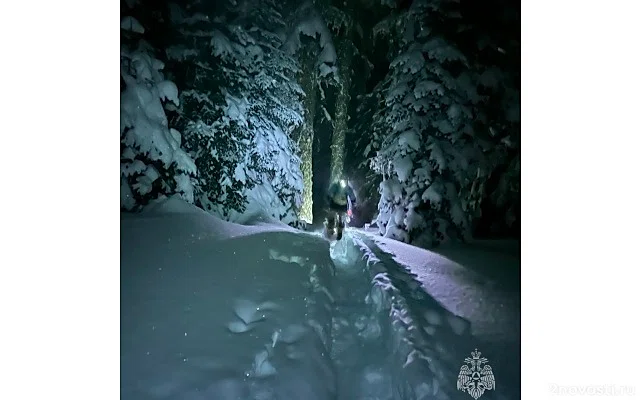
(479,282)
(212,310)
(418,335)
(358,351)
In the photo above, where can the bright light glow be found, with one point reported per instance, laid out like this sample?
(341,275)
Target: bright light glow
(343,183)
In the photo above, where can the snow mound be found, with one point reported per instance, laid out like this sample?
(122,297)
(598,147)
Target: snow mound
(344,255)
(189,218)
(212,309)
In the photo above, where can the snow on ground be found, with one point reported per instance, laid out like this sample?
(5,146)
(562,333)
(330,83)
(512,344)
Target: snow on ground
(466,281)
(211,309)
(479,282)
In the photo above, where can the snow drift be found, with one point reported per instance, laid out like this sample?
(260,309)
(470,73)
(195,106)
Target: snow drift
(212,309)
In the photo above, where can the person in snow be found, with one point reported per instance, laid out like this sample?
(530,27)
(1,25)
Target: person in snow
(341,199)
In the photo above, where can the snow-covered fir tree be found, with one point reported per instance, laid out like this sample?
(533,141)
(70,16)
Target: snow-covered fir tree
(422,128)
(152,162)
(240,107)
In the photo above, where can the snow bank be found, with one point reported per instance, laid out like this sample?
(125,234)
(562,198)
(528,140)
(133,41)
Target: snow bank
(468,280)
(211,309)
(478,282)
(420,334)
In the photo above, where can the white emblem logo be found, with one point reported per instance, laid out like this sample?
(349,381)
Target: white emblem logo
(476,375)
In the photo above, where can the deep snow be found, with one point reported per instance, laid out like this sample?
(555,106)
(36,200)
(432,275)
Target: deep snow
(215,310)
(479,282)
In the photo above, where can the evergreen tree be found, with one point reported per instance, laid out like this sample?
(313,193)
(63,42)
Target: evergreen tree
(152,162)
(422,128)
(241,106)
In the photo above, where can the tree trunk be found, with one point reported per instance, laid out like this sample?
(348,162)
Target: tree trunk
(309,85)
(341,118)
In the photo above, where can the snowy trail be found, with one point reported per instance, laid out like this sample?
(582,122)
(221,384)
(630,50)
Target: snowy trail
(211,309)
(419,335)
(356,339)
(482,285)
